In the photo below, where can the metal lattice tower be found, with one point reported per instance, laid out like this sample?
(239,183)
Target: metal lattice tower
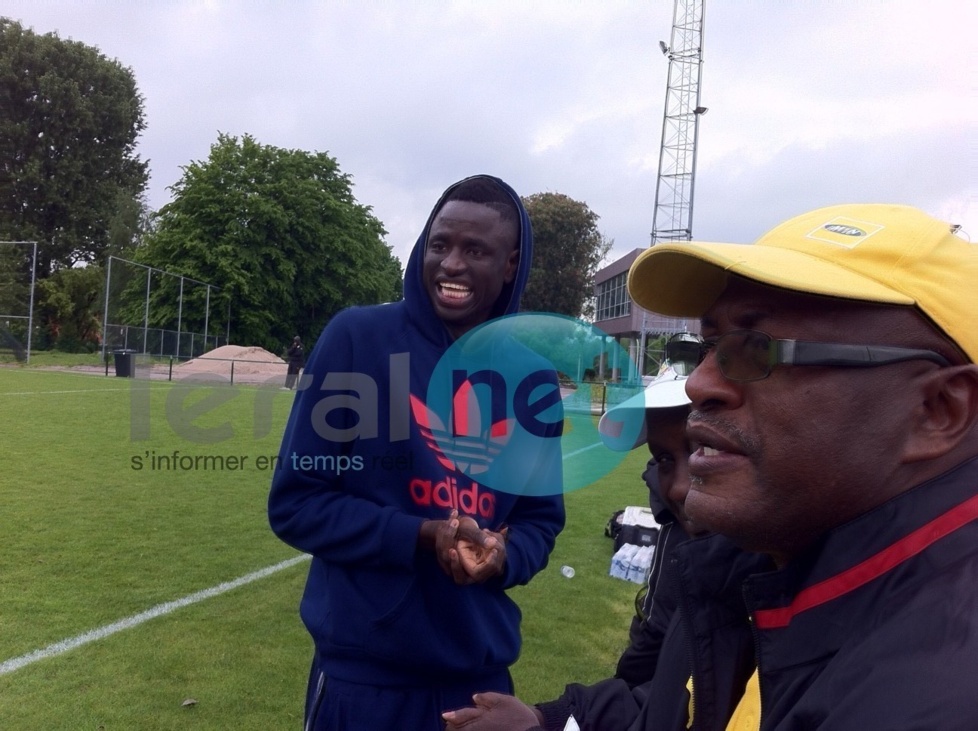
(672,219)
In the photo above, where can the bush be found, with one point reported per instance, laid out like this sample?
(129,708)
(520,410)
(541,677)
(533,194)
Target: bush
(73,344)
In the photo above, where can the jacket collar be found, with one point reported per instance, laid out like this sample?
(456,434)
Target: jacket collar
(833,591)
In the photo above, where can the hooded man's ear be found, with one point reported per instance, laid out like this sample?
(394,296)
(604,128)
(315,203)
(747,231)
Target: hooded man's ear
(512,265)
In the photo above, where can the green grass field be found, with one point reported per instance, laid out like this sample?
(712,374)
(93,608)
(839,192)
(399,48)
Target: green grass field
(89,541)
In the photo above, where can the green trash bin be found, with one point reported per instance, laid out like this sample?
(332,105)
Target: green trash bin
(125,363)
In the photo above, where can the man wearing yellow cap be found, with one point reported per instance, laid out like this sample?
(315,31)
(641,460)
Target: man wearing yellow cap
(834,429)
(834,425)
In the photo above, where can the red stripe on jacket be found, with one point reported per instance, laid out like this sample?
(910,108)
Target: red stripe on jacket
(872,568)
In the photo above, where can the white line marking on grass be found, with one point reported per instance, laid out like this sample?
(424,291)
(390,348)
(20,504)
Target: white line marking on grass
(59,648)
(582,449)
(42,393)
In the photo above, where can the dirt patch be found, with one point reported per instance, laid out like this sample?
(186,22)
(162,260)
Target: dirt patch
(250,364)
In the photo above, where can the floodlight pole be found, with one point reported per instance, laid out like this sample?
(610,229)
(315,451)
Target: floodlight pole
(672,217)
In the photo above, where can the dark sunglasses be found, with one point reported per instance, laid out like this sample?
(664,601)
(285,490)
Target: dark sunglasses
(749,355)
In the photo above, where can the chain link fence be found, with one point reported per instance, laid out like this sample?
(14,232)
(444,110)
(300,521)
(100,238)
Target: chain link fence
(158,313)
(18,261)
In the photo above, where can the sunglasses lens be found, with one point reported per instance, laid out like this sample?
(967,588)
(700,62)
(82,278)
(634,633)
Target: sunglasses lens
(744,355)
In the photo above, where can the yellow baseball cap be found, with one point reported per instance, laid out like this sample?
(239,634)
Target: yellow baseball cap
(870,252)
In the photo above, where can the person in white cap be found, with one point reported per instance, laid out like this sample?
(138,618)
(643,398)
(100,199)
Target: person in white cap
(656,419)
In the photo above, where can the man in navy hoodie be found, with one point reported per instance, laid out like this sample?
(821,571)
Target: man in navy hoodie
(405,598)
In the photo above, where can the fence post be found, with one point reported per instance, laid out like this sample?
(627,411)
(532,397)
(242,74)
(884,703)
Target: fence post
(30,307)
(149,272)
(179,316)
(105,315)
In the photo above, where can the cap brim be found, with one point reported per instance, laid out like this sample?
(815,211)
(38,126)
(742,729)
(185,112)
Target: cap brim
(685,279)
(622,428)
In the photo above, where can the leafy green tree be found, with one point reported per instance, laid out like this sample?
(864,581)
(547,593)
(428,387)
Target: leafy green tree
(130,222)
(70,308)
(14,280)
(69,119)
(280,232)
(567,250)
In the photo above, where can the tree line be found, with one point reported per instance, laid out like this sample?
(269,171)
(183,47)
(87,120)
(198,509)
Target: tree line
(278,232)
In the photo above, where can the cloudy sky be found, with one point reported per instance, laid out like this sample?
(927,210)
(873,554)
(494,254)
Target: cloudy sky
(811,102)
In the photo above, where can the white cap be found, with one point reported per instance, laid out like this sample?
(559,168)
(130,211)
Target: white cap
(622,428)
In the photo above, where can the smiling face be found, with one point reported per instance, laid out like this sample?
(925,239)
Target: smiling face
(778,462)
(470,255)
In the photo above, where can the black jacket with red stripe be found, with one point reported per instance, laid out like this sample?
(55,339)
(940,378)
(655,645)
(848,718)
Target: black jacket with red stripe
(875,628)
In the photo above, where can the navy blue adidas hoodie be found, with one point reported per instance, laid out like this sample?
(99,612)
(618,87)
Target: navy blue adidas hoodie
(381,611)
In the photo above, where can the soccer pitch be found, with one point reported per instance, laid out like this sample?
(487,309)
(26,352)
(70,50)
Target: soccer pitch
(140,585)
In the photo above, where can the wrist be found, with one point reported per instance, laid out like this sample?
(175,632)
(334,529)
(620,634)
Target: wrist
(427,534)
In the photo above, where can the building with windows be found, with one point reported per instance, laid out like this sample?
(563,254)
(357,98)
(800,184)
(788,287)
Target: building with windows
(616,314)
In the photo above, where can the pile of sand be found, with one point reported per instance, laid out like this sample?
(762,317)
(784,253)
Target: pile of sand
(248,361)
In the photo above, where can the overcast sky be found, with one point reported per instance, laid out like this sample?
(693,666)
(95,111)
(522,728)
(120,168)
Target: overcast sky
(811,102)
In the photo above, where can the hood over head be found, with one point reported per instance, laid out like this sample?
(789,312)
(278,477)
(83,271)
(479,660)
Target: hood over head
(416,297)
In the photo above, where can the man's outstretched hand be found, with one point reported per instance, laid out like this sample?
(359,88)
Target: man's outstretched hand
(494,712)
